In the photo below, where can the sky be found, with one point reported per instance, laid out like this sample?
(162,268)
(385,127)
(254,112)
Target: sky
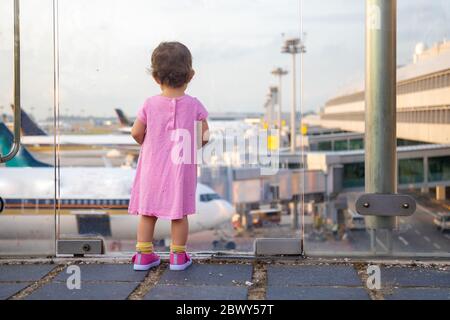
(105,48)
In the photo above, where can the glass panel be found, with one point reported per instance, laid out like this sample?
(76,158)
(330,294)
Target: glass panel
(341,145)
(105,49)
(335,90)
(439,168)
(104,52)
(325,146)
(27,225)
(356,144)
(354,175)
(410,171)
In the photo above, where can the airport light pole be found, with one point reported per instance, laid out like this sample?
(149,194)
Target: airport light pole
(280,73)
(381,148)
(273,98)
(294,46)
(267,107)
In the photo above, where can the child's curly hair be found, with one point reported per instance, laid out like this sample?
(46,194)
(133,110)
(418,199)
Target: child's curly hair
(172,64)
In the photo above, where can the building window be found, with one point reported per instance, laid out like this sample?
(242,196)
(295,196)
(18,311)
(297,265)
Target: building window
(439,169)
(410,171)
(406,143)
(209,197)
(341,145)
(294,165)
(325,146)
(356,144)
(354,175)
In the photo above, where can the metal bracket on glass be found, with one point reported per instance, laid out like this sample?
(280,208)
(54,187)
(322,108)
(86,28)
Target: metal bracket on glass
(80,247)
(386,205)
(278,247)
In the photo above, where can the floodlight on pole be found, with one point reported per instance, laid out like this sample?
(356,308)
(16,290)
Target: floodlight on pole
(273,99)
(267,107)
(293,46)
(280,73)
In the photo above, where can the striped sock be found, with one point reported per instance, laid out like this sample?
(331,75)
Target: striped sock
(177,249)
(144,247)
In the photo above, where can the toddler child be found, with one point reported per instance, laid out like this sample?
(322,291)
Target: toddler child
(165,186)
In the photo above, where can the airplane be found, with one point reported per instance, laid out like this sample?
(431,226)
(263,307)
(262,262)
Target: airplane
(27,188)
(123,144)
(34,136)
(23,157)
(29,127)
(125,123)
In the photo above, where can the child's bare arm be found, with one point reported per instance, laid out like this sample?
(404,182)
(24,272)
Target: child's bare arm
(205,133)
(138,131)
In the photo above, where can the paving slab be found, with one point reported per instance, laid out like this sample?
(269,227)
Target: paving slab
(171,292)
(88,291)
(7,290)
(415,277)
(210,275)
(316,293)
(419,294)
(105,272)
(24,272)
(282,276)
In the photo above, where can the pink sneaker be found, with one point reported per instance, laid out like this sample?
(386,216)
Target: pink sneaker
(144,262)
(179,261)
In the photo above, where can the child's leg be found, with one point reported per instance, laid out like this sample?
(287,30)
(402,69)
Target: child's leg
(146,229)
(180,231)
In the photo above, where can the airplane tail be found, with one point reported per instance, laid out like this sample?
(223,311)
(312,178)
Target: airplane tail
(29,127)
(23,158)
(124,121)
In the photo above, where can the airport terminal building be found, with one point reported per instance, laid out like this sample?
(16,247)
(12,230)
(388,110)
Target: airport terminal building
(335,138)
(423,100)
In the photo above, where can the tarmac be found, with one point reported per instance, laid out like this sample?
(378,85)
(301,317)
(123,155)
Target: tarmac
(221,278)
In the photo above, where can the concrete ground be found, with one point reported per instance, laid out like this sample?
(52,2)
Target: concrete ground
(223,279)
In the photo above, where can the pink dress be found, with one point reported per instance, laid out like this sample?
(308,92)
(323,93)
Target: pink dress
(162,187)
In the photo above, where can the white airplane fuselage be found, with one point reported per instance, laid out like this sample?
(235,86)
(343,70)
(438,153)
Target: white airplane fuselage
(29,194)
